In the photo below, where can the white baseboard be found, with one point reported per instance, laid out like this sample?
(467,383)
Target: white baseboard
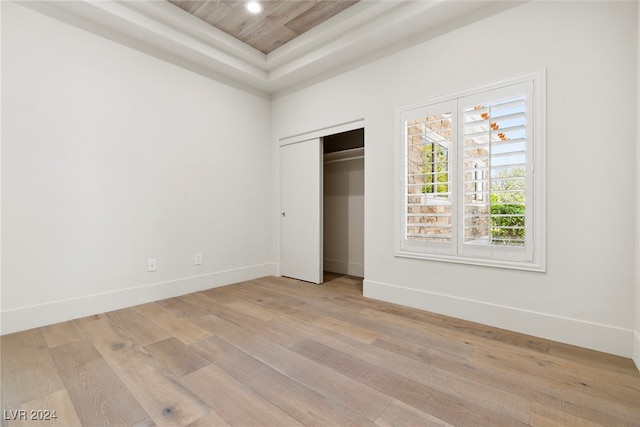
(609,339)
(344,267)
(23,318)
(636,349)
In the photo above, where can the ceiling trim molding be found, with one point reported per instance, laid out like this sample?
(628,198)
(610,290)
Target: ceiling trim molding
(162,29)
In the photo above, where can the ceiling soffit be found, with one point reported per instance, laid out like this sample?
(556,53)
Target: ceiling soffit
(360,33)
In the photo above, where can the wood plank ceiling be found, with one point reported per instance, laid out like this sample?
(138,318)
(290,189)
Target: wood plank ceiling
(279,22)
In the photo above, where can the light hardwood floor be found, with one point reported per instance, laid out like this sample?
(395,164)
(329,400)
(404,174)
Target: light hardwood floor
(279,352)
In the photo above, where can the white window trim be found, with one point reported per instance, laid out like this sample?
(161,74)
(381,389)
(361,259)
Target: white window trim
(536,211)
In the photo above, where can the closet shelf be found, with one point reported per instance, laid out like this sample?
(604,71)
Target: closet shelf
(344,155)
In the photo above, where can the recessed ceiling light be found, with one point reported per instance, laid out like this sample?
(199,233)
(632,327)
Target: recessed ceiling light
(254,7)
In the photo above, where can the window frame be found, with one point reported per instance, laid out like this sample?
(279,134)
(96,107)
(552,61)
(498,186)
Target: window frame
(531,256)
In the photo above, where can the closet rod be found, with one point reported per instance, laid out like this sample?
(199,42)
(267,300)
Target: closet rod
(344,159)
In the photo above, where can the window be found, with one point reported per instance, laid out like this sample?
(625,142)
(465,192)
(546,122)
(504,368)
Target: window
(468,189)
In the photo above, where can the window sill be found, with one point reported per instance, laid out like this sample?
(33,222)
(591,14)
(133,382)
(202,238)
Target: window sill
(484,262)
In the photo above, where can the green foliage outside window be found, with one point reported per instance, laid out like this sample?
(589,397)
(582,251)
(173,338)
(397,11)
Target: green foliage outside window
(435,169)
(508,207)
(507,222)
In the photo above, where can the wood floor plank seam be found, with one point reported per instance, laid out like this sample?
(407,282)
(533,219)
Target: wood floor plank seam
(362,399)
(300,402)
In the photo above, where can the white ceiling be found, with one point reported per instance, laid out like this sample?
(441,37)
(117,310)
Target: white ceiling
(366,31)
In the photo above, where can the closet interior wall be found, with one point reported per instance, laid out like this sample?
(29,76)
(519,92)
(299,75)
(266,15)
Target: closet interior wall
(343,239)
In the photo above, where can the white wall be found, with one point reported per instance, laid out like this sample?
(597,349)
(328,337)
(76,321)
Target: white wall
(111,157)
(586,297)
(344,217)
(636,338)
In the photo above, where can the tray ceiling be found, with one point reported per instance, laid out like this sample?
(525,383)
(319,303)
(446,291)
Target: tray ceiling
(322,46)
(280,21)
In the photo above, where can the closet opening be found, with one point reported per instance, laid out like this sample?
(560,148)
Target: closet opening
(343,204)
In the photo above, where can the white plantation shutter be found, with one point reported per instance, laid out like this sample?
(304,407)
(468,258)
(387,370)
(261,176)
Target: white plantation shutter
(468,190)
(429,135)
(495,160)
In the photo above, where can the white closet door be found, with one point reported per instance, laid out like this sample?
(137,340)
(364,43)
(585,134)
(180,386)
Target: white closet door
(301,210)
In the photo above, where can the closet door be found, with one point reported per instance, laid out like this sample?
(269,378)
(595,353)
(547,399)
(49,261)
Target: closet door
(301,210)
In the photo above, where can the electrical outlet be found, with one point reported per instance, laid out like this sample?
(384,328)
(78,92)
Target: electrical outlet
(151,264)
(198,259)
